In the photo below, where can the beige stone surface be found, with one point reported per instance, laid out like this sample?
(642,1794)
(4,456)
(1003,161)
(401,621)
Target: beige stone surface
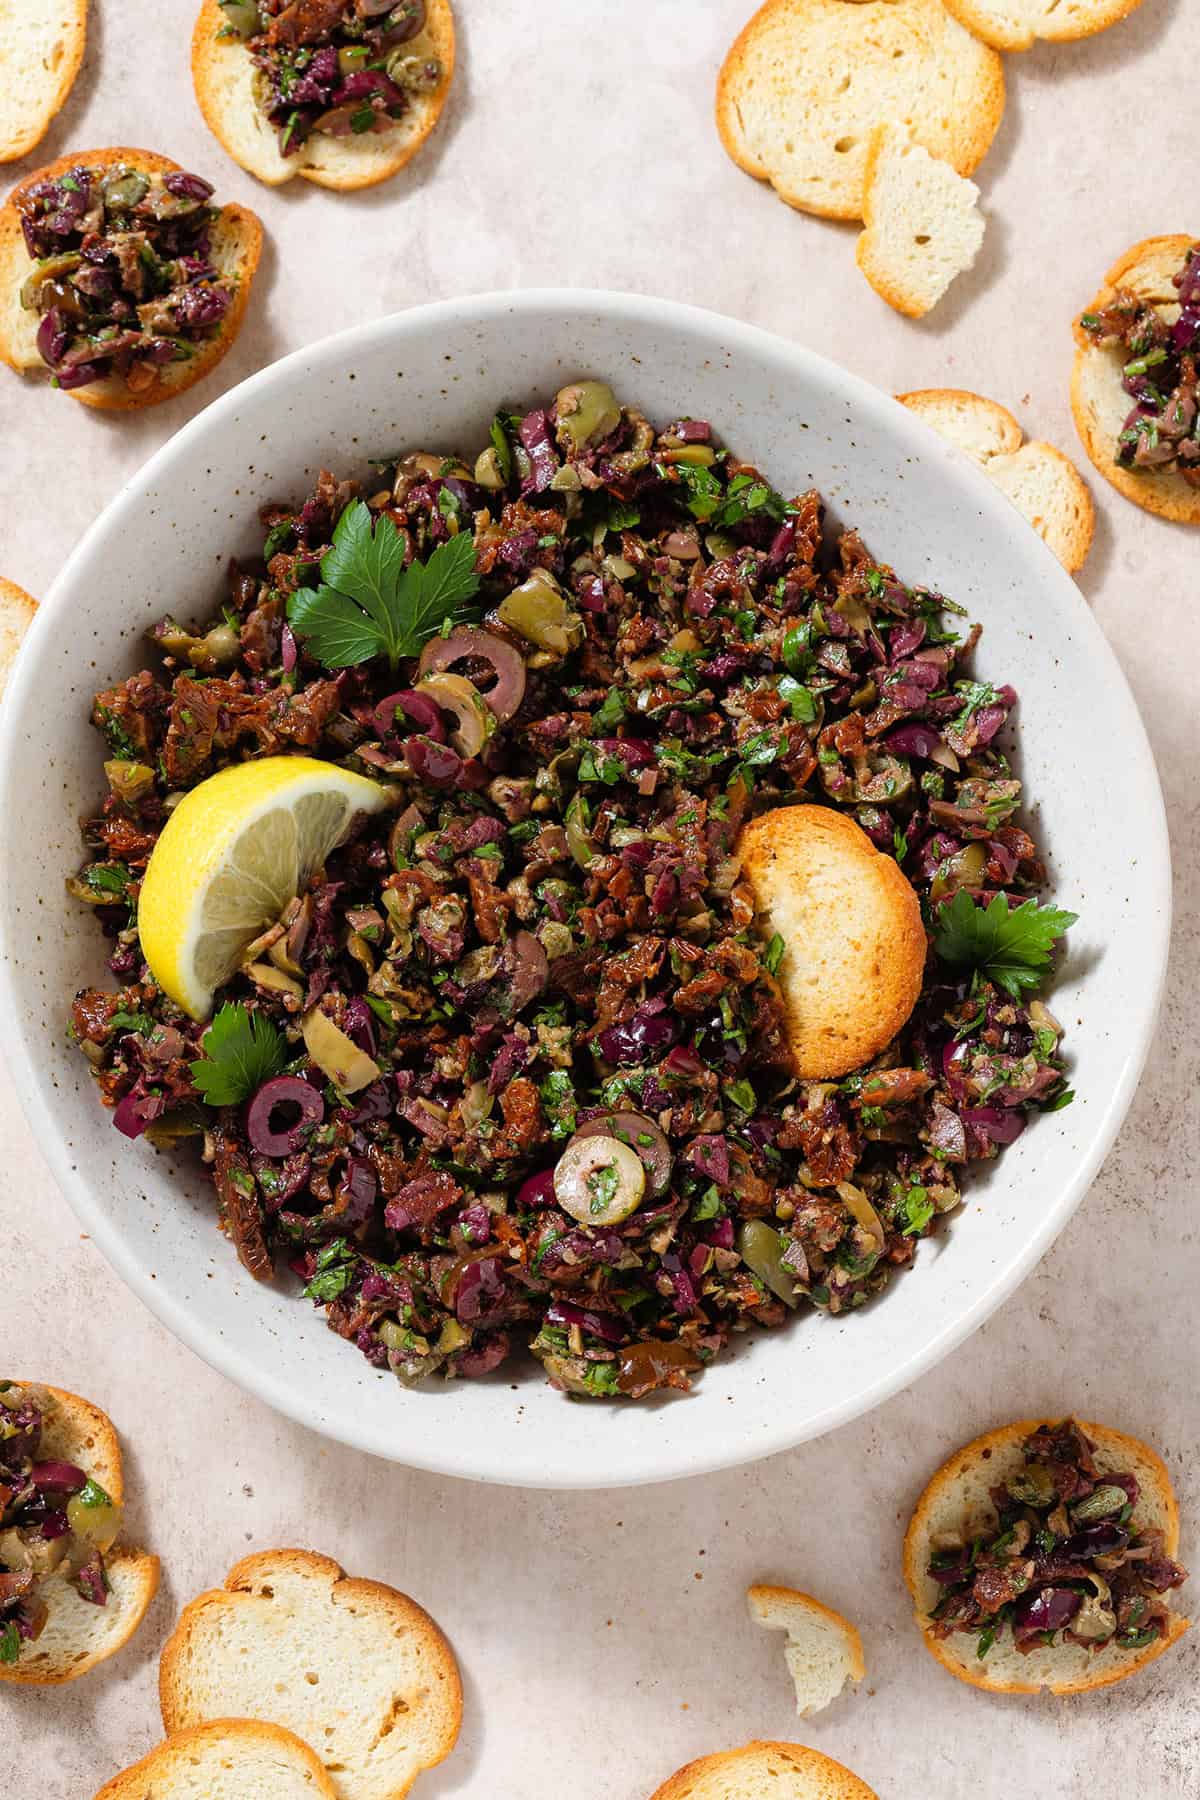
(603,1637)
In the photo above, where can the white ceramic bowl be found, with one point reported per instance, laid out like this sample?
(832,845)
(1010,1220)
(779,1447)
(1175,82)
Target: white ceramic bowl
(431,378)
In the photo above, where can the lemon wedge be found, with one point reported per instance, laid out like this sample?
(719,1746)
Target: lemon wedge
(235,850)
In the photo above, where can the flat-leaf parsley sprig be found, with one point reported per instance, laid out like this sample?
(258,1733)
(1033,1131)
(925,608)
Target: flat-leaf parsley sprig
(369,604)
(242,1049)
(1011,946)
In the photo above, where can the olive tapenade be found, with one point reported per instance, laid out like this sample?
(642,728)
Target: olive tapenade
(55,1523)
(343,67)
(1067,1560)
(521,1075)
(123,280)
(1162,432)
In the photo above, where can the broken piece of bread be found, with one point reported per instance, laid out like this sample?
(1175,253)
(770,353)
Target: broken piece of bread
(1041,482)
(41,50)
(16,616)
(851,923)
(922,219)
(765,1771)
(960,1495)
(77,1634)
(1100,403)
(807,81)
(227,1759)
(1019,24)
(354,1668)
(236,245)
(823,1652)
(223,76)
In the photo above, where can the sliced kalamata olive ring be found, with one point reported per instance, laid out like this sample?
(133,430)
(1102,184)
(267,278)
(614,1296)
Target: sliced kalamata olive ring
(599,1180)
(409,704)
(642,1136)
(468,643)
(474,719)
(268,1133)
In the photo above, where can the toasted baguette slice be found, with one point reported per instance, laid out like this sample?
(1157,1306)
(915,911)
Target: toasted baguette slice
(223,76)
(808,80)
(765,1771)
(959,1493)
(982,428)
(358,1670)
(16,616)
(236,247)
(1041,482)
(851,923)
(824,1651)
(1099,402)
(227,1759)
(1018,24)
(41,49)
(77,1634)
(923,224)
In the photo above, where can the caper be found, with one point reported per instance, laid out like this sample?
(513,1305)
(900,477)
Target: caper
(124,188)
(555,938)
(94,1517)
(129,781)
(587,413)
(599,1180)
(488,473)
(538,611)
(761,1249)
(1033,1486)
(1099,1505)
(222,645)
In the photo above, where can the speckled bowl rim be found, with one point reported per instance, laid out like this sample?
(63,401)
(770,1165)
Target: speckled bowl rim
(491,311)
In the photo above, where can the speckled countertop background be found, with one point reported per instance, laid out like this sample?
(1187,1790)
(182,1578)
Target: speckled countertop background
(602,1637)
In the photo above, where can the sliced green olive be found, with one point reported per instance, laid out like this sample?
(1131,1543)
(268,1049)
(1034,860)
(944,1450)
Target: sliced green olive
(1099,1505)
(538,612)
(488,473)
(179,1123)
(962,870)
(94,1517)
(241,17)
(337,1055)
(474,719)
(129,781)
(599,1180)
(352,57)
(51,270)
(125,188)
(587,413)
(579,837)
(860,1208)
(761,1247)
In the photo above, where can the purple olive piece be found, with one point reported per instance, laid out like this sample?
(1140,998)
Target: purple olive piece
(188,187)
(635,1040)
(527,968)
(596,1324)
(635,753)
(64,1477)
(421,709)
(363,83)
(1095,1540)
(536,1190)
(435,764)
(470,644)
(642,1136)
(287,649)
(52,336)
(912,740)
(1046,1609)
(79,376)
(406,19)
(272,1136)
